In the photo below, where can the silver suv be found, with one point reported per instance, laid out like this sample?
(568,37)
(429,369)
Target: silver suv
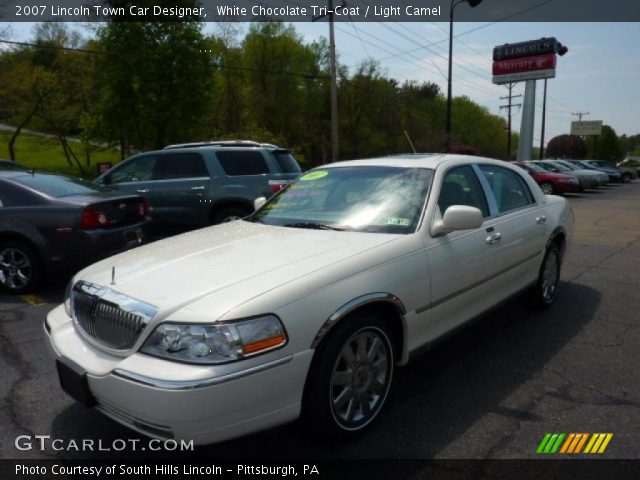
(198,184)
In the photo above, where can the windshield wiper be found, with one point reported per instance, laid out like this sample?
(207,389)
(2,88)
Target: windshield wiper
(316,226)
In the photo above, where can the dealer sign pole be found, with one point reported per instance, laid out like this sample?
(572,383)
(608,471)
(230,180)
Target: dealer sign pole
(525,144)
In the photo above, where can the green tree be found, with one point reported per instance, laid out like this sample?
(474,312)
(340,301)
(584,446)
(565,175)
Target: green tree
(608,146)
(157,82)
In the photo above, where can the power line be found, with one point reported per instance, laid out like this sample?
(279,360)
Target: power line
(133,56)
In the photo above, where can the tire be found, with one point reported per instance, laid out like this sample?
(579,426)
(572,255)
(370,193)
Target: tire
(329,406)
(229,214)
(20,270)
(626,177)
(547,188)
(544,292)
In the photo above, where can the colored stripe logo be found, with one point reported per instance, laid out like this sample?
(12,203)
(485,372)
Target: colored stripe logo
(573,443)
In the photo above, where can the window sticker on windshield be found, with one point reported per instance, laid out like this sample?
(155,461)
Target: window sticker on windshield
(403,222)
(314,175)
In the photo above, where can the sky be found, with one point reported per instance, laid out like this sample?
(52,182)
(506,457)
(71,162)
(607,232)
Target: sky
(600,74)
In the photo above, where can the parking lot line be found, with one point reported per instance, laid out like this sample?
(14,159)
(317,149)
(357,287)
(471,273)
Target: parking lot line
(34,300)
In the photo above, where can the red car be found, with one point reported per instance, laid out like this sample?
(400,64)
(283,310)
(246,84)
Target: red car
(551,183)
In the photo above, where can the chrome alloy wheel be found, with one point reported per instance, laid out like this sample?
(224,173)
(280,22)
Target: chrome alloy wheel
(550,277)
(546,188)
(361,378)
(15,268)
(230,218)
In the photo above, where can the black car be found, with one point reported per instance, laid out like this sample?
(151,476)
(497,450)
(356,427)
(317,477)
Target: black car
(12,166)
(52,223)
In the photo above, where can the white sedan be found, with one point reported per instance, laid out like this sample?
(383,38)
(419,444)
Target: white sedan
(306,307)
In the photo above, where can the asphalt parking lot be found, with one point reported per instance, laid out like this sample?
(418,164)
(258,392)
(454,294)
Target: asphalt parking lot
(492,391)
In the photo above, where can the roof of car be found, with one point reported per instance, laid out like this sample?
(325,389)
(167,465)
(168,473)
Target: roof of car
(416,160)
(222,143)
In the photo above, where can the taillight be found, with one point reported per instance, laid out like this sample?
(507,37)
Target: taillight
(277,185)
(92,218)
(143,208)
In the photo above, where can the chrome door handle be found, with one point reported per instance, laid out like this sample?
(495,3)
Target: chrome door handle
(494,238)
(200,187)
(143,190)
(541,219)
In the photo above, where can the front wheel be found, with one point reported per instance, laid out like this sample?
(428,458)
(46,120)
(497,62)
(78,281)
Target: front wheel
(349,378)
(543,293)
(626,177)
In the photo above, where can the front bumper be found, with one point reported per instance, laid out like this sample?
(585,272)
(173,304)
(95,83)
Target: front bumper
(136,391)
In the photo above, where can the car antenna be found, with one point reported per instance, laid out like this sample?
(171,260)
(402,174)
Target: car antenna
(113,275)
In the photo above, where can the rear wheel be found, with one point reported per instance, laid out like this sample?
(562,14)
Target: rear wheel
(626,177)
(229,214)
(349,378)
(543,293)
(547,188)
(19,267)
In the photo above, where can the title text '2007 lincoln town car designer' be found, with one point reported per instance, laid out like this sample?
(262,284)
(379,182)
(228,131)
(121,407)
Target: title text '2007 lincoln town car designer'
(307,306)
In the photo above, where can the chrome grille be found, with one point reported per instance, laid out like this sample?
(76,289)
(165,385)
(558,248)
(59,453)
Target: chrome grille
(107,317)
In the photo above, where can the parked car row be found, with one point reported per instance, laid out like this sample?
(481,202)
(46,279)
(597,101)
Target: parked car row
(571,176)
(51,223)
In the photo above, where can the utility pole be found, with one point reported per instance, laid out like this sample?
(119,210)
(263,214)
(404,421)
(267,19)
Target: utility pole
(580,115)
(509,106)
(334,84)
(544,120)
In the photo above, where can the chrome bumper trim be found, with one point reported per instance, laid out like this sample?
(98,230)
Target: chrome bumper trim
(193,384)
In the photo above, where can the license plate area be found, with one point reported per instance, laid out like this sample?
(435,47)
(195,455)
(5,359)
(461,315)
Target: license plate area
(75,384)
(133,237)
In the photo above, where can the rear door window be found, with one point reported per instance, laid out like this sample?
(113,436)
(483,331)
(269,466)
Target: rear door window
(182,165)
(509,188)
(246,162)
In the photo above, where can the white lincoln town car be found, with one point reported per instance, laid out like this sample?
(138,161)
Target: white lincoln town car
(306,307)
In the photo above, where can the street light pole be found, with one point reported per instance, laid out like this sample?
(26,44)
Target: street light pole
(454,4)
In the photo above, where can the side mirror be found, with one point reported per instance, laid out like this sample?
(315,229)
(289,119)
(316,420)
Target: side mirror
(457,217)
(259,202)
(105,180)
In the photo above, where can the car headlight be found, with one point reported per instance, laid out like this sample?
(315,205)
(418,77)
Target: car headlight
(67,297)
(216,343)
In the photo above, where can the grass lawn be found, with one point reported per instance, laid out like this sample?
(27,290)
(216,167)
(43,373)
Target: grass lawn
(46,154)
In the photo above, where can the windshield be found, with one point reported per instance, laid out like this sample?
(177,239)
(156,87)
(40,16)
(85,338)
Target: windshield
(366,199)
(58,185)
(561,167)
(531,167)
(567,165)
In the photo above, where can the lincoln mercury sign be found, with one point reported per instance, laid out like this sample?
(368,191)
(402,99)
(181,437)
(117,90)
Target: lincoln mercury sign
(586,127)
(532,60)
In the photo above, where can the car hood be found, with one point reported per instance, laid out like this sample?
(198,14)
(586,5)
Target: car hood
(235,262)
(584,172)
